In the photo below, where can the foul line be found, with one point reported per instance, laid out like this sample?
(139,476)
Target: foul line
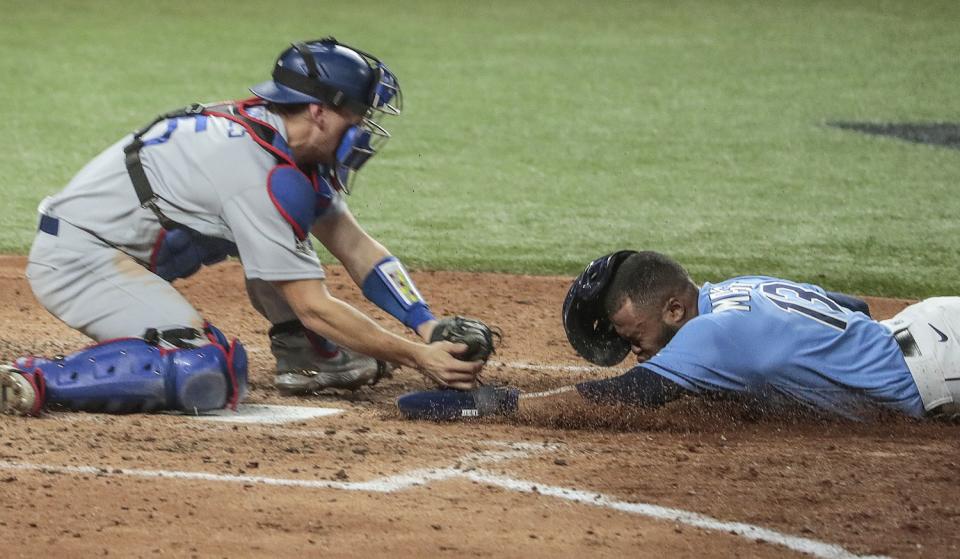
(804,545)
(467,470)
(387,484)
(383,485)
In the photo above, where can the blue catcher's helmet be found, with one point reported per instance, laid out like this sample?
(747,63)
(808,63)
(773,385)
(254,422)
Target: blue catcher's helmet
(330,73)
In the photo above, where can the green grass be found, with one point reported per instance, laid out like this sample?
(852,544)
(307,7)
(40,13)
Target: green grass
(540,134)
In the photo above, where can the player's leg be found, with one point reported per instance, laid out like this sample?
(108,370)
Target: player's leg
(929,335)
(155,351)
(101,291)
(128,375)
(307,362)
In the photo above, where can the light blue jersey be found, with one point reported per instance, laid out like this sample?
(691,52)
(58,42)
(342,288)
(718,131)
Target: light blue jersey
(783,340)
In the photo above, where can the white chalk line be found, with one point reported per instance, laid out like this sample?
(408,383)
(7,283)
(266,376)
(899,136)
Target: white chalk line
(804,545)
(550,367)
(387,484)
(467,470)
(382,485)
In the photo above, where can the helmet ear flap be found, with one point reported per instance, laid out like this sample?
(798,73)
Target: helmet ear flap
(589,330)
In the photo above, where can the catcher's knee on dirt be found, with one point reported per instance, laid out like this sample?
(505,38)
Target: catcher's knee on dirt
(131,375)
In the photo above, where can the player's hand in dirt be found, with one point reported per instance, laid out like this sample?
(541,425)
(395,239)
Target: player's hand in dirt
(439,362)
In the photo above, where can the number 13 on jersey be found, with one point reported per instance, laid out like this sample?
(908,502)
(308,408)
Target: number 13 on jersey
(807,302)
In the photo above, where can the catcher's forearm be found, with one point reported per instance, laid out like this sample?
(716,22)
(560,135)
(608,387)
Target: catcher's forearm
(349,327)
(345,325)
(390,287)
(380,275)
(350,244)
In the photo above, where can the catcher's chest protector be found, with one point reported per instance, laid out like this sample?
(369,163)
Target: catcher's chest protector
(300,198)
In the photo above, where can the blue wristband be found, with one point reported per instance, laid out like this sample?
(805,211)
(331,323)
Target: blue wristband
(389,286)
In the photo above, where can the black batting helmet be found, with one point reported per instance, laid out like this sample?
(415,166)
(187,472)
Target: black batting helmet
(588,328)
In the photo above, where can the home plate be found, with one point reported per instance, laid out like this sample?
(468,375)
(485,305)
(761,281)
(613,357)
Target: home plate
(261,413)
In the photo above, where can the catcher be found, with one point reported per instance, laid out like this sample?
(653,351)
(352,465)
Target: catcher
(253,179)
(775,343)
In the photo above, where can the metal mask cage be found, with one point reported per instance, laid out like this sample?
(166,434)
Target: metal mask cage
(387,97)
(359,144)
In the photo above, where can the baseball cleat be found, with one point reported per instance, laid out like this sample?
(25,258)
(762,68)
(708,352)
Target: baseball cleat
(17,394)
(346,370)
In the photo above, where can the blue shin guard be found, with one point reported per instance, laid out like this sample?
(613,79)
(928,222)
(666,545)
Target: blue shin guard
(130,375)
(236,363)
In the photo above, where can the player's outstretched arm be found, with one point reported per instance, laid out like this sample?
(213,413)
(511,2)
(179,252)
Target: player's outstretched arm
(338,321)
(371,266)
(639,387)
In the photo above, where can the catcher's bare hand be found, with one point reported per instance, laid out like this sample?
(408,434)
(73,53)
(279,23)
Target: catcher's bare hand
(438,361)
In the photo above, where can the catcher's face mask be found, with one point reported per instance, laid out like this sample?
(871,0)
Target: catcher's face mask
(383,97)
(342,77)
(359,143)
(363,141)
(589,329)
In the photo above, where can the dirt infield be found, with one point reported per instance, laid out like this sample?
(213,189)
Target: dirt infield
(692,480)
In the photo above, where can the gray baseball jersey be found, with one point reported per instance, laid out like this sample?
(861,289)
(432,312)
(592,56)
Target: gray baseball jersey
(210,176)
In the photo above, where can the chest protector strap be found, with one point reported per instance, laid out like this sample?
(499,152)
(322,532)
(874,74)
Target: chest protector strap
(263,134)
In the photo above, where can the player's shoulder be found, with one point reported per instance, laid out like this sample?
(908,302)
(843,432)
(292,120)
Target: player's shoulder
(231,124)
(755,282)
(704,327)
(731,294)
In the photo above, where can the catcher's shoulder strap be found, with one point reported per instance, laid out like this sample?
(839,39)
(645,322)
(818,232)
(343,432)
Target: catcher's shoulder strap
(262,133)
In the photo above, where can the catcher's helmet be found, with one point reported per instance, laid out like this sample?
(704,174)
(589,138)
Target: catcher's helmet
(588,328)
(325,71)
(333,74)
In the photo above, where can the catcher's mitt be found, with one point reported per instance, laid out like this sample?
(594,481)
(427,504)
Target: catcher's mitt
(478,337)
